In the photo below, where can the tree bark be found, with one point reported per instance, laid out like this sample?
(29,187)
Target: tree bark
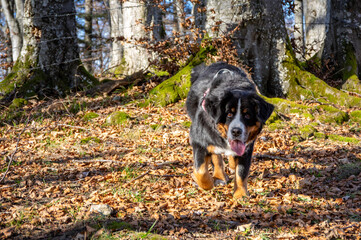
(199,14)
(50,63)
(317,19)
(343,40)
(136,56)
(154,21)
(15,25)
(116,32)
(298,32)
(88,28)
(260,38)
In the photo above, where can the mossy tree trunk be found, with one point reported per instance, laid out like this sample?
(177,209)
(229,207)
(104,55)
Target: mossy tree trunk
(343,42)
(49,62)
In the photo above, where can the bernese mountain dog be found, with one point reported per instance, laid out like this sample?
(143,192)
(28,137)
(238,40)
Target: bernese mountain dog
(227,115)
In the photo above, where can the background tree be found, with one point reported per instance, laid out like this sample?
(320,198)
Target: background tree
(257,29)
(14,11)
(88,32)
(343,42)
(49,62)
(116,32)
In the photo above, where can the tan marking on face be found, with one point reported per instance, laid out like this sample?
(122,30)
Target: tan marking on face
(202,176)
(232,162)
(240,186)
(253,131)
(244,111)
(233,109)
(222,128)
(219,167)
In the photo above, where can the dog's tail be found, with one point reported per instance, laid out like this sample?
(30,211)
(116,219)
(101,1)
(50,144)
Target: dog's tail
(196,71)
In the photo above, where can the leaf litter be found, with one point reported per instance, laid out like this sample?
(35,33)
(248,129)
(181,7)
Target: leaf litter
(140,172)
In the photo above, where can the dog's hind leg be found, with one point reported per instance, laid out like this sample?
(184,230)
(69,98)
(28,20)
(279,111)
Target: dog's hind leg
(219,175)
(201,173)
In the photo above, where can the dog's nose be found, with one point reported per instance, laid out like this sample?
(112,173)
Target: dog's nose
(236,132)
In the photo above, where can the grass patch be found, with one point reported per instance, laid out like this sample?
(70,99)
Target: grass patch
(88,139)
(89,116)
(339,138)
(348,170)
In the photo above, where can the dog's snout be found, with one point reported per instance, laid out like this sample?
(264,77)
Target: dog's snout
(236,132)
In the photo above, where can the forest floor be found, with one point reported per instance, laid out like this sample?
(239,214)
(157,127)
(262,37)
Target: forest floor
(67,161)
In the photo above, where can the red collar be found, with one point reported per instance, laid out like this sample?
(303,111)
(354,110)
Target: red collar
(204,99)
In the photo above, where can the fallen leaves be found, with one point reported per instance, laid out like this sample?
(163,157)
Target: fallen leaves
(140,173)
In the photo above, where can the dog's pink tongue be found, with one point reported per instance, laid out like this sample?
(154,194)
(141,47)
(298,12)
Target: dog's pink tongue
(238,147)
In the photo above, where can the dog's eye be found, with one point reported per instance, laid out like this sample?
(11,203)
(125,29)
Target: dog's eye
(247,116)
(229,115)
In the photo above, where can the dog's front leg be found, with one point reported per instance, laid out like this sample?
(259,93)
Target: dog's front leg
(201,173)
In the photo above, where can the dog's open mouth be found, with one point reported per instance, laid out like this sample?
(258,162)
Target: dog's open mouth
(237,146)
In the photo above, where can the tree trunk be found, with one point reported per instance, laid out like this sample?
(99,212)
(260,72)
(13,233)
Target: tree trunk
(88,28)
(199,14)
(343,41)
(142,21)
(136,56)
(15,25)
(50,63)
(317,19)
(259,39)
(298,32)
(154,21)
(116,32)
(179,16)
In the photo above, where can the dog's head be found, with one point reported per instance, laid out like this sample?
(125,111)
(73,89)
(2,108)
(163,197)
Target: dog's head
(239,116)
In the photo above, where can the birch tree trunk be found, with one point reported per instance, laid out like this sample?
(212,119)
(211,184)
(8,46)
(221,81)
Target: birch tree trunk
(317,19)
(260,38)
(15,25)
(116,32)
(136,57)
(298,32)
(50,63)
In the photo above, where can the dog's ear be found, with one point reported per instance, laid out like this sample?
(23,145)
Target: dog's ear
(264,109)
(215,106)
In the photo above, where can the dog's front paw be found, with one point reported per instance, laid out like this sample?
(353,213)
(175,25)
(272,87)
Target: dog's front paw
(219,182)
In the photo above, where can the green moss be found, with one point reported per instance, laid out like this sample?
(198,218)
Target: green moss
(330,114)
(307,131)
(304,85)
(116,118)
(89,116)
(88,139)
(177,87)
(350,64)
(187,124)
(339,138)
(296,139)
(87,80)
(273,118)
(308,115)
(278,124)
(18,103)
(319,135)
(352,84)
(356,116)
